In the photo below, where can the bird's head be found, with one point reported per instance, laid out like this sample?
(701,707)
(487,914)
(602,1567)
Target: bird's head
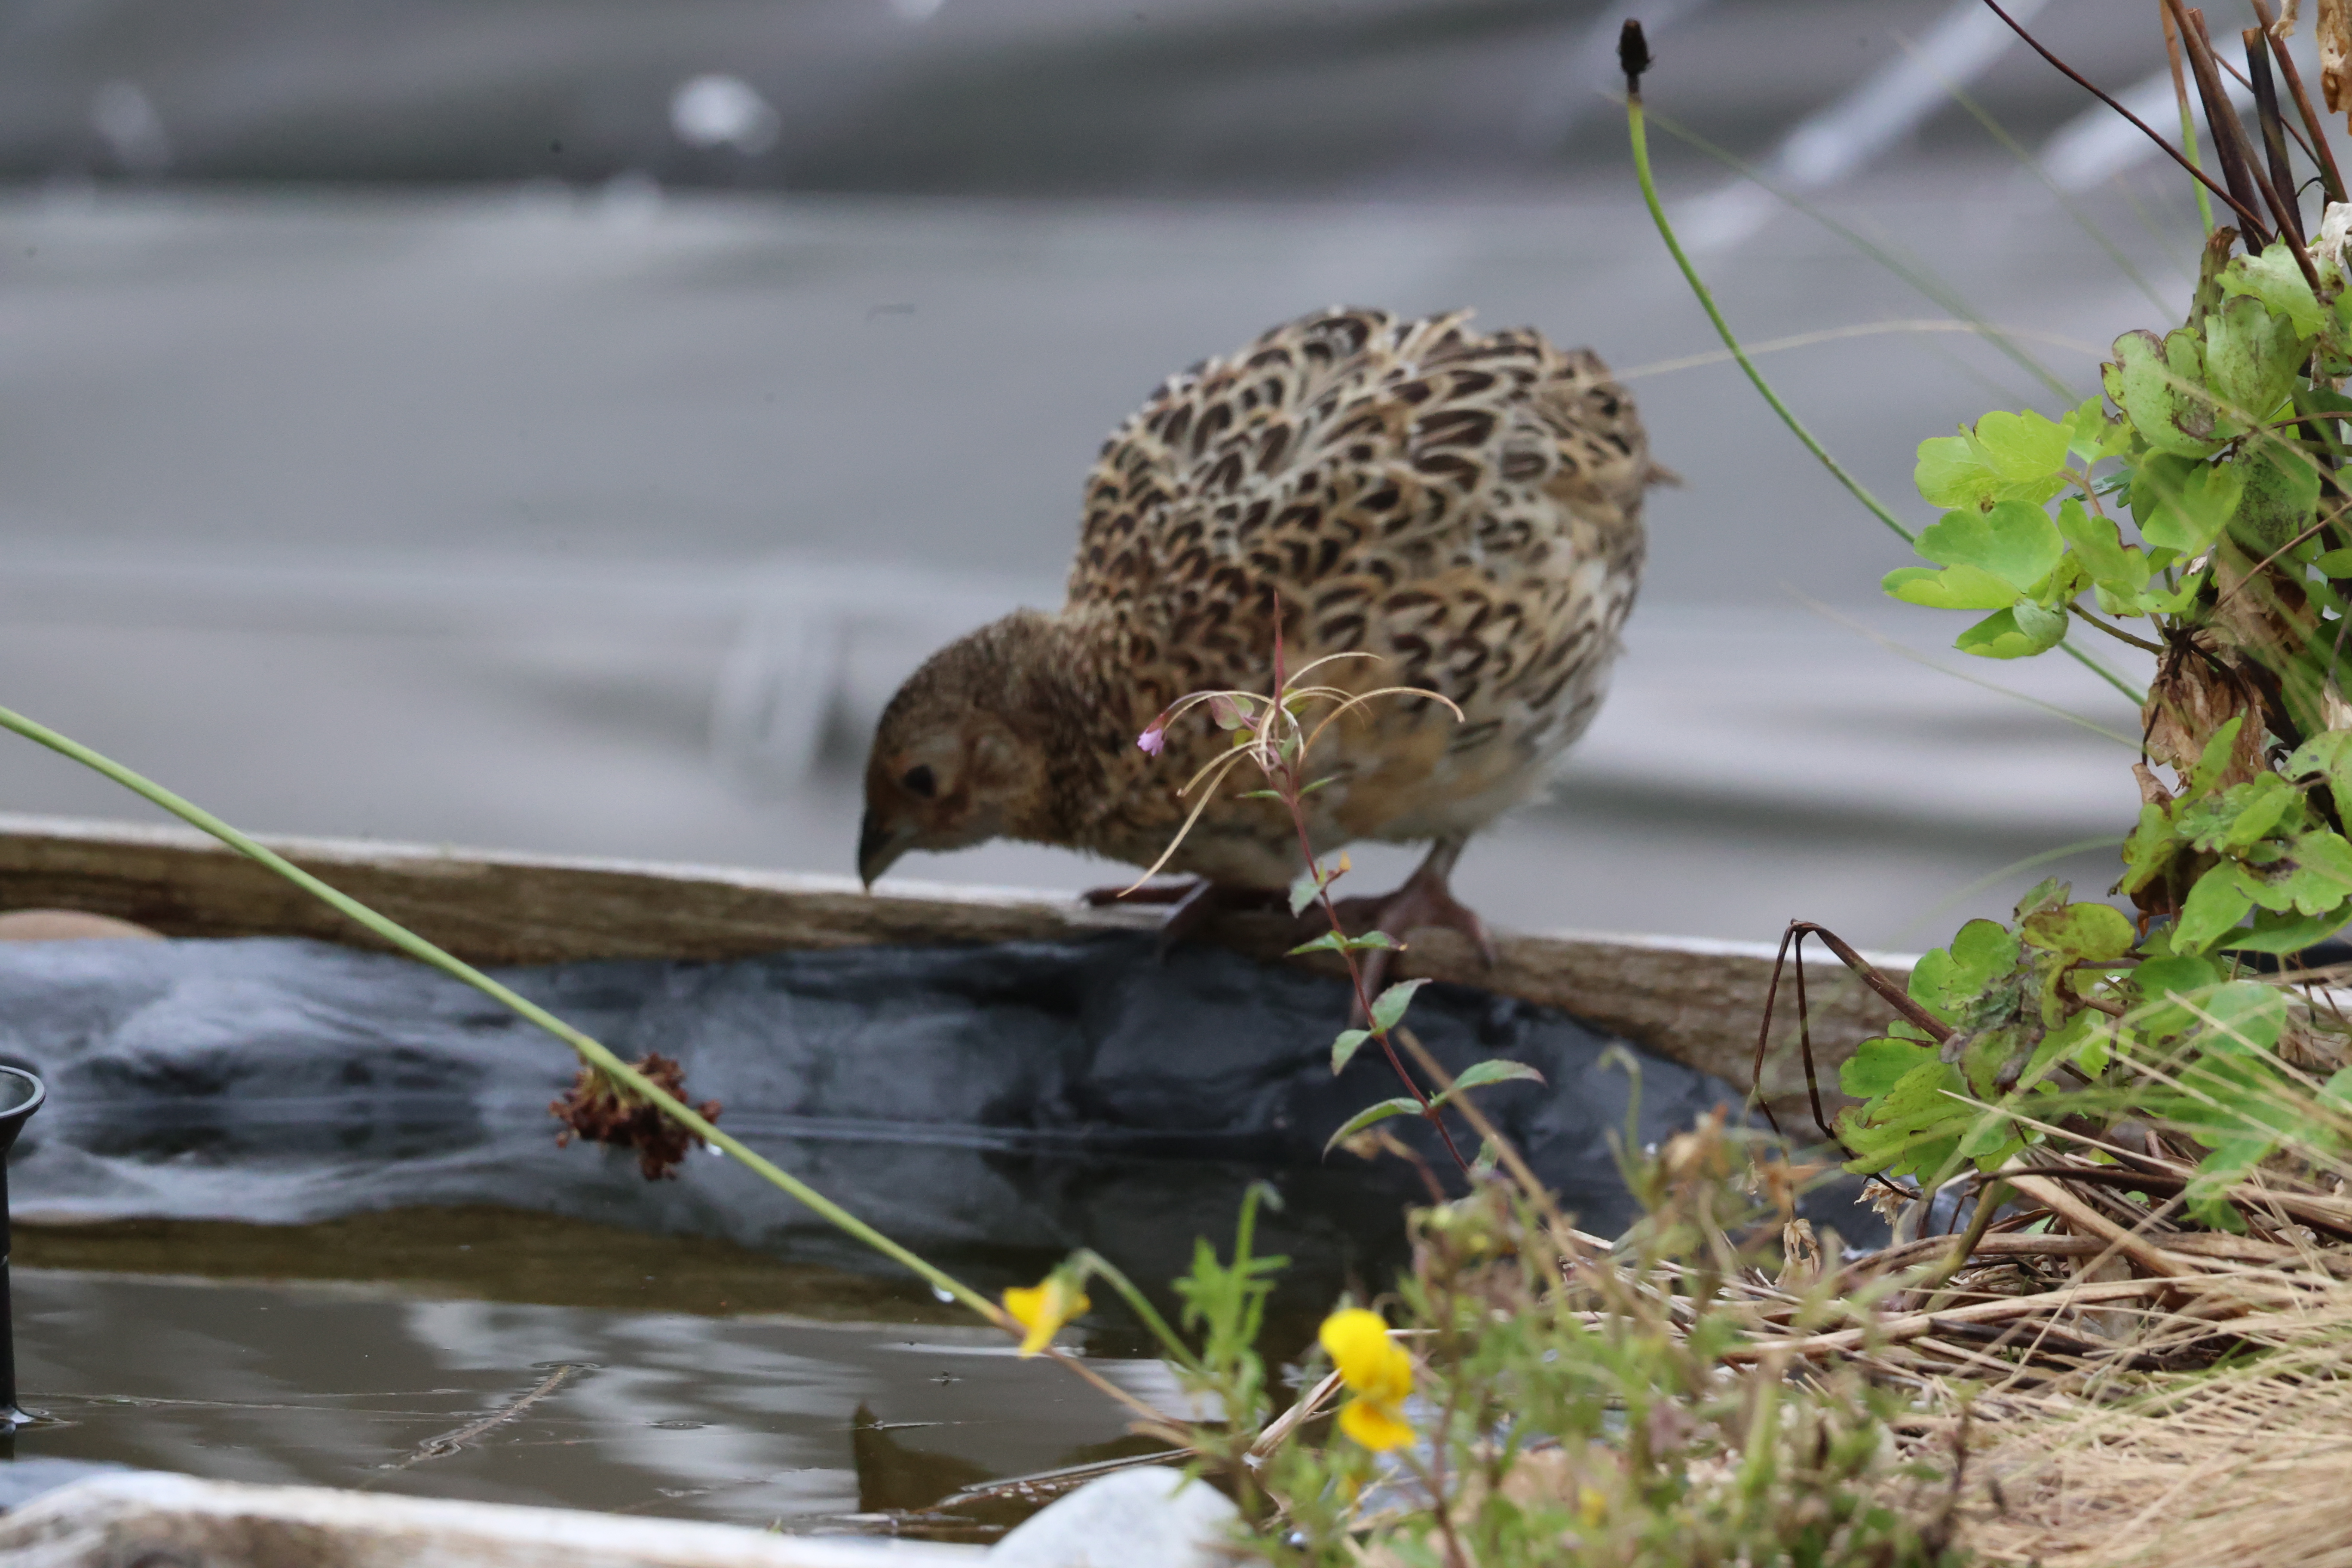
(954,761)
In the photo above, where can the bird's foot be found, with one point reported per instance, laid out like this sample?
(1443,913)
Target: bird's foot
(1424,900)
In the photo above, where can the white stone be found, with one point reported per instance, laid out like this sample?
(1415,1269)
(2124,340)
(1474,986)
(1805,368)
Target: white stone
(1144,1518)
(147,1516)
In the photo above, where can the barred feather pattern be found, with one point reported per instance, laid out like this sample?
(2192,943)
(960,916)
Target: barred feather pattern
(1466,508)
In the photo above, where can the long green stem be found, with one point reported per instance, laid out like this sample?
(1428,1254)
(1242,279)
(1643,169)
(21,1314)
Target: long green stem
(1698,287)
(1854,486)
(589,1049)
(1913,272)
(1092,1262)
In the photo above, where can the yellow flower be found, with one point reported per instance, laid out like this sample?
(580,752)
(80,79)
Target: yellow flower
(1376,1371)
(1043,1309)
(1377,1427)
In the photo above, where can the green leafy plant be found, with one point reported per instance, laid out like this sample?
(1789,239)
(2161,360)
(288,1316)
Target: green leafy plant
(1574,1400)
(2194,511)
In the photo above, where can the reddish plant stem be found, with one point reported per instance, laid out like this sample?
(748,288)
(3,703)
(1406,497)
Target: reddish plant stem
(2273,124)
(2220,121)
(2245,81)
(2326,154)
(1292,790)
(2244,211)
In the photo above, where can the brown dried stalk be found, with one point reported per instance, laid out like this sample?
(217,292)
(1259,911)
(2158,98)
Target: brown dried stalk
(2323,151)
(2256,44)
(2221,122)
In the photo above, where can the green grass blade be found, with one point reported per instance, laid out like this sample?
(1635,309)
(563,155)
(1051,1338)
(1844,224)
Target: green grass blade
(588,1049)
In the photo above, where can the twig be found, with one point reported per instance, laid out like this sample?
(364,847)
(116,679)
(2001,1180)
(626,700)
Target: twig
(2222,122)
(2169,150)
(2331,181)
(1633,54)
(1989,1198)
(2280,200)
(1308,1406)
(2116,632)
(2054,1196)
(2241,159)
(1894,995)
(1050,1483)
(2266,115)
(1505,1150)
(453,1441)
(1913,1324)
(1929,1247)
(1630,41)
(2242,80)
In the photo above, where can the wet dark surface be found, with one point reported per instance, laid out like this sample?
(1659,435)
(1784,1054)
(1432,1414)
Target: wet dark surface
(295,1212)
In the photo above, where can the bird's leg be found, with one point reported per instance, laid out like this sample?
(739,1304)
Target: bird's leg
(1426,898)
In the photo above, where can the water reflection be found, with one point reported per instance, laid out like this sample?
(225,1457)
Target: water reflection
(751,1420)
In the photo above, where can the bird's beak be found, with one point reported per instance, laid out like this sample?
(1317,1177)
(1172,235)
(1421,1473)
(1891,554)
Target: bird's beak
(878,847)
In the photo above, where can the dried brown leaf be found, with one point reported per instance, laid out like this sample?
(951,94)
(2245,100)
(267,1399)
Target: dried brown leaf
(2333,27)
(2193,697)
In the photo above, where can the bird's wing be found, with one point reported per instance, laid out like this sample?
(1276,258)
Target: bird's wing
(1390,480)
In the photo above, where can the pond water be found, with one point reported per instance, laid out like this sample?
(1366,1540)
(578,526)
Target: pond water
(520,1359)
(296,1212)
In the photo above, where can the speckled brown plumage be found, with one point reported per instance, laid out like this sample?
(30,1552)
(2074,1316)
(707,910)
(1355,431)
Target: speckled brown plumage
(1466,508)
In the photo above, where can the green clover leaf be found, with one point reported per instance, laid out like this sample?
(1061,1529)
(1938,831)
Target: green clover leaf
(2252,357)
(2119,570)
(2019,631)
(2091,435)
(2160,384)
(2081,932)
(2274,279)
(2327,755)
(1953,588)
(2182,504)
(2213,907)
(2006,456)
(2010,540)
(2280,491)
(1877,1066)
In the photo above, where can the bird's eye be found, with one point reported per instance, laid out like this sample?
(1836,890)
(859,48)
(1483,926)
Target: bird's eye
(919,781)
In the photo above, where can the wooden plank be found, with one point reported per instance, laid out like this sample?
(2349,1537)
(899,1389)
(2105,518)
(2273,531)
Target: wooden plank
(1695,1002)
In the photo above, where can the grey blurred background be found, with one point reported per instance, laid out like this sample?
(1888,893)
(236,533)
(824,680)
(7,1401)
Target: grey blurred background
(558,423)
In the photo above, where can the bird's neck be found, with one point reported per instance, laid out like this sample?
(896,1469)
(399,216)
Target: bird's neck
(1076,712)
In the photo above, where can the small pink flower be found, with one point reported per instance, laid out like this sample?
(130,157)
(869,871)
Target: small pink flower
(1153,740)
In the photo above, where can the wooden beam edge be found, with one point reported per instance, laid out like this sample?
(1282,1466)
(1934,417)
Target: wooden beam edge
(1693,1000)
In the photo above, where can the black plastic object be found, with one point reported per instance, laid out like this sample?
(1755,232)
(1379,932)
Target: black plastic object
(992,1107)
(20,1095)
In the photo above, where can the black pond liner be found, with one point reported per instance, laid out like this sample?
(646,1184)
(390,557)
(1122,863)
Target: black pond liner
(991,1106)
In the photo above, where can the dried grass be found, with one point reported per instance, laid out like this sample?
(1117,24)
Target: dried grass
(2126,1392)
(2250,1466)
